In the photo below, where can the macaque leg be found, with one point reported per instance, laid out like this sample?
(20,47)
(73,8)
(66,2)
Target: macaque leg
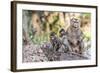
(69,47)
(81,47)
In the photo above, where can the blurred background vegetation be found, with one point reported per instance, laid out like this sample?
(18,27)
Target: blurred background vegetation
(38,24)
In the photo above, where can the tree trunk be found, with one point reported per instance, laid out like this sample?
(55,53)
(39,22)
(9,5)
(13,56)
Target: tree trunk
(26,19)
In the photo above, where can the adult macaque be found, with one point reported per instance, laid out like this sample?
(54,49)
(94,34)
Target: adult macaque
(75,36)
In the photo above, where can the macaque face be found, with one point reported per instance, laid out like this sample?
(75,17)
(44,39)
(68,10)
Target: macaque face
(75,23)
(62,33)
(52,37)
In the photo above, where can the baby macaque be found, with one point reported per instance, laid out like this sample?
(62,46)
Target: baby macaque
(75,36)
(64,40)
(55,41)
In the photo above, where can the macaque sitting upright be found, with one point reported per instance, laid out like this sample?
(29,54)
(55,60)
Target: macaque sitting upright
(55,41)
(64,40)
(75,36)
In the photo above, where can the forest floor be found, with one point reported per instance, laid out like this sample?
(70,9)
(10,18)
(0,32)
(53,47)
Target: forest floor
(33,53)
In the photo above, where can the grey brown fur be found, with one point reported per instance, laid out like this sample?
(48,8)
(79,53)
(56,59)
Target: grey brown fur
(75,36)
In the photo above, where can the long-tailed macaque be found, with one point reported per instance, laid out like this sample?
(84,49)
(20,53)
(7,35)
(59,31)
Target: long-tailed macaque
(75,36)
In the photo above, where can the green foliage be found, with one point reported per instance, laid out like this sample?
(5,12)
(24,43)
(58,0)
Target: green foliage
(36,39)
(87,36)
